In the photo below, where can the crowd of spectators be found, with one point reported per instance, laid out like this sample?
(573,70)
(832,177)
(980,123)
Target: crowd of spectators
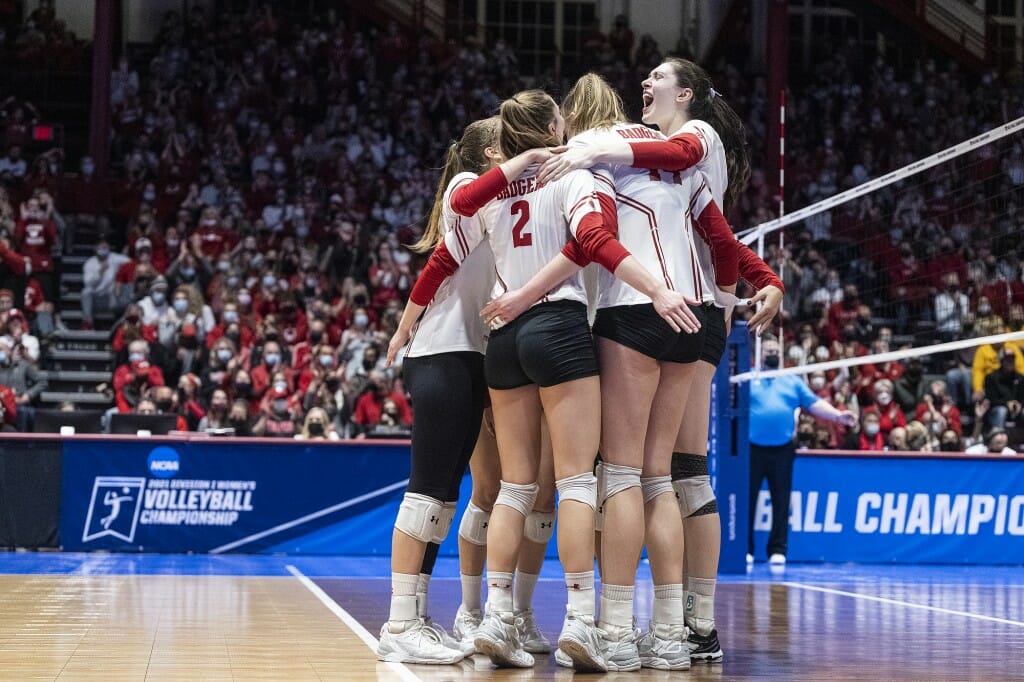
(269,171)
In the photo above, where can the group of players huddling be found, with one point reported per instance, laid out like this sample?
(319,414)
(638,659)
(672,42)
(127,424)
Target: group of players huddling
(501,311)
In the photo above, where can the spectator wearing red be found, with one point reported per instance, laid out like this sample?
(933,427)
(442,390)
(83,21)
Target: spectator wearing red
(188,392)
(35,236)
(228,317)
(85,197)
(133,379)
(133,328)
(166,400)
(938,403)
(8,408)
(142,252)
(277,419)
(272,360)
(370,406)
(214,238)
(869,438)
(843,312)
(890,416)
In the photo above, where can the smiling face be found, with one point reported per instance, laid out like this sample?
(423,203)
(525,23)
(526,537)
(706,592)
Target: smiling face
(663,97)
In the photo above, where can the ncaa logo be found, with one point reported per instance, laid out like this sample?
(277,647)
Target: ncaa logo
(164,462)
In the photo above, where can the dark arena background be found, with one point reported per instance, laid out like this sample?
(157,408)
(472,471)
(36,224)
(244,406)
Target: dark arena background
(206,208)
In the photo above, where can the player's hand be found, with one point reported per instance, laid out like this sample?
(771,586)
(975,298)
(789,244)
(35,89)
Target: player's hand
(560,164)
(505,308)
(542,154)
(398,342)
(674,308)
(771,299)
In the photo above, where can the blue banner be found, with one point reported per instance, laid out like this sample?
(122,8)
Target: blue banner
(220,496)
(888,509)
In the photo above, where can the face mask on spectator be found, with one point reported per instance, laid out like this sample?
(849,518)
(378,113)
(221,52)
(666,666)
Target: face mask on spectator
(224,354)
(401,256)
(315,429)
(244,299)
(302,231)
(821,353)
(173,244)
(136,357)
(223,265)
(771,361)
(239,425)
(326,360)
(233,281)
(269,281)
(817,383)
(3,357)
(164,405)
(243,389)
(158,297)
(984,310)
(333,384)
(149,195)
(883,398)
(311,282)
(272,359)
(188,274)
(871,429)
(361,320)
(949,446)
(102,253)
(316,337)
(180,305)
(230,316)
(88,167)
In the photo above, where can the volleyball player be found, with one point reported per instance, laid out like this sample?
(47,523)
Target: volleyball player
(544,358)
(704,133)
(444,375)
(644,366)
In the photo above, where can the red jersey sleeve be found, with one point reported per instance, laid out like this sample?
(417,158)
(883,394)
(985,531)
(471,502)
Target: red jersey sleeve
(755,270)
(440,266)
(677,153)
(470,197)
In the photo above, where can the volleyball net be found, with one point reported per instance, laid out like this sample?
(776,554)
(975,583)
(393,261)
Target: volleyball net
(919,265)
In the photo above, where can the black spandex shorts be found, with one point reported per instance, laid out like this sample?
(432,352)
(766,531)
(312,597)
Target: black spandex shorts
(714,340)
(547,345)
(640,328)
(448,393)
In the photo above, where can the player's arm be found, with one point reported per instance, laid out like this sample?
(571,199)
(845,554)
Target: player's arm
(677,153)
(712,227)
(468,198)
(770,289)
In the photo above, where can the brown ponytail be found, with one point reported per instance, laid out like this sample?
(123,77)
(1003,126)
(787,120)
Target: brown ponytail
(466,155)
(525,118)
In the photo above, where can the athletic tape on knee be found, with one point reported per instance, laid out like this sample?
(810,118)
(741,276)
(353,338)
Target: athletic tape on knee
(419,516)
(693,495)
(473,527)
(447,516)
(539,527)
(618,478)
(656,485)
(580,488)
(599,511)
(518,497)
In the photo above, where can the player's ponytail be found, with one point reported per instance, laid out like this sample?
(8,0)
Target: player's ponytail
(592,103)
(466,155)
(709,106)
(525,121)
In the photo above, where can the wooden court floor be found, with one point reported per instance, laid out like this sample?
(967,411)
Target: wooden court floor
(299,618)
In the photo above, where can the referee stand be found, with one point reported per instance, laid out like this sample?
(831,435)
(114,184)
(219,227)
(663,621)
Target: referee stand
(729,449)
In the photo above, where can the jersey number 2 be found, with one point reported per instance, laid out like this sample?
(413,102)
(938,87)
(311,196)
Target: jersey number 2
(519,237)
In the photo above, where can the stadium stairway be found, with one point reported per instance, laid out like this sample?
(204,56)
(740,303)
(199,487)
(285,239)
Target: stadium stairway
(78,364)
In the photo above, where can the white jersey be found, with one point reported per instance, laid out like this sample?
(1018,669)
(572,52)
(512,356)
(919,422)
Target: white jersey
(452,320)
(713,165)
(653,213)
(527,225)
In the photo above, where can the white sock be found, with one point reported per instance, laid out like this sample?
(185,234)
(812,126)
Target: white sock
(422,585)
(499,591)
(617,610)
(668,604)
(700,605)
(522,592)
(403,601)
(580,587)
(471,591)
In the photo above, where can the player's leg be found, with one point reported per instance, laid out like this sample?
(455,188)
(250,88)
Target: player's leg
(485,471)
(664,646)
(540,526)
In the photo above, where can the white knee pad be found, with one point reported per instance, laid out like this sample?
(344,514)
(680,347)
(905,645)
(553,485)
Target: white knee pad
(581,488)
(420,516)
(654,486)
(519,497)
(473,527)
(540,526)
(618,477)
(693,494)
(447,516)
(599,512)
